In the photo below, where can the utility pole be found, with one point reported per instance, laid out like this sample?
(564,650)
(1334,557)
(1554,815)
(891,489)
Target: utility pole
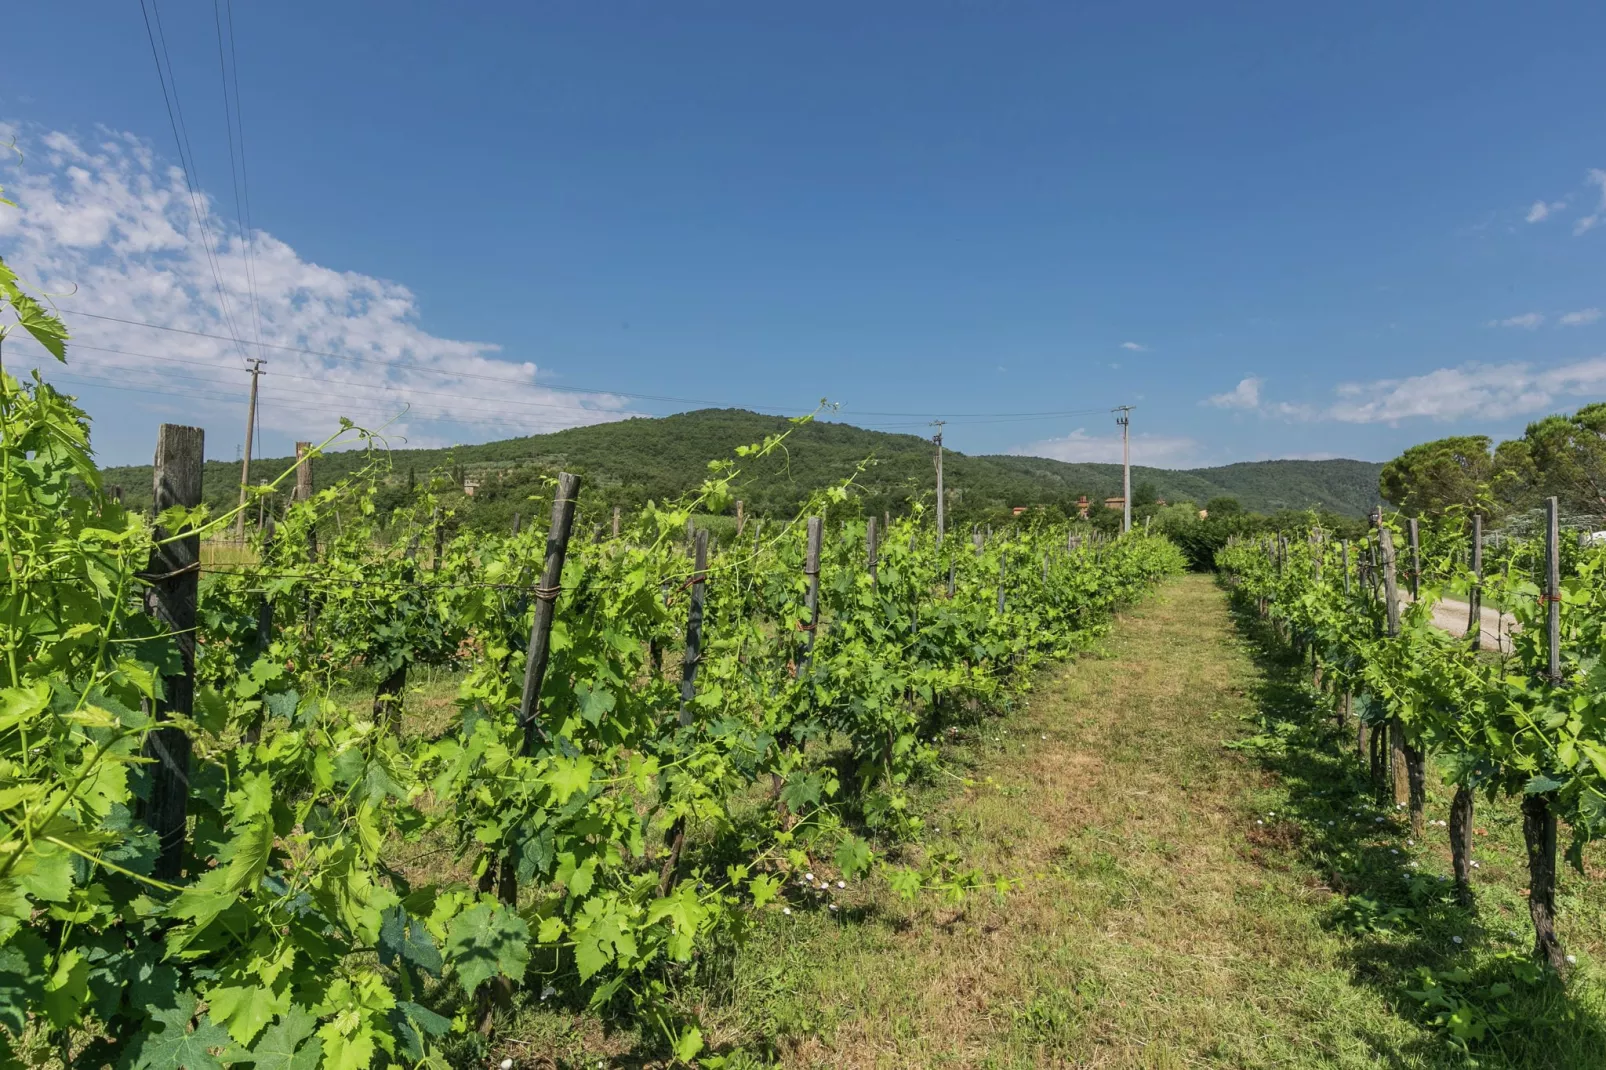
(1125,420)
(245,457)
(937,438)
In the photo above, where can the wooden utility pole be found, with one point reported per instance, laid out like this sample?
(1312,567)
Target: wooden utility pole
(245,457)
(174,578)
(937,438)
(546,597)
(1125,420)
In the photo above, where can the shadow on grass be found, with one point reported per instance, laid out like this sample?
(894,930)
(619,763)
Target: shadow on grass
(1433,961)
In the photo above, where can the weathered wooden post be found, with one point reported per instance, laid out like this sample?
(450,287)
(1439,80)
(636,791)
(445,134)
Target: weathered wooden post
(1461,806)
(1409,775)
(1538,818)
(688,691)
(1475,592)
(740,518)
(1416,558)
(546,597)
(515,525)
(950,577)
(1003,558)
(811,595)
(870,550)
(616,523)
(435,521)
(174,577)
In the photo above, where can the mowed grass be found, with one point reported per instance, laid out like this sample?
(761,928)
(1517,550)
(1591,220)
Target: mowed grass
(1145,928)
(1175,902)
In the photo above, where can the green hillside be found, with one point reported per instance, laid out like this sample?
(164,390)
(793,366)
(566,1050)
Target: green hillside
(629,461)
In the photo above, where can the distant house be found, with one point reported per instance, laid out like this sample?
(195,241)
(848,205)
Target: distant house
(1117,502)
(1018,510)
(1081,507)
(470,485)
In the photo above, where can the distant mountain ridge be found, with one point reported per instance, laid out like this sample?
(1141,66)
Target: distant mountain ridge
(660,457)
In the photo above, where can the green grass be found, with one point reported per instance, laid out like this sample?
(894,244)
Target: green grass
(1177,902)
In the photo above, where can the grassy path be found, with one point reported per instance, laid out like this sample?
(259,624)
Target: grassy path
(1156,923)
(1178,903)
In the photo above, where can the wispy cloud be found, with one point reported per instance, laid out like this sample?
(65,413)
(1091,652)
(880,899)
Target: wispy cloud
(1471,391)
(1527,321)
(1135,347)
(1583,317)
(1246,395)
(106,220)
(1543,210)
(1597,178)
(1158,451)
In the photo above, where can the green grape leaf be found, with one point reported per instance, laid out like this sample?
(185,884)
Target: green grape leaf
(174,1046)
(288,1044)
(485,940)
(853,857)
(244,1009)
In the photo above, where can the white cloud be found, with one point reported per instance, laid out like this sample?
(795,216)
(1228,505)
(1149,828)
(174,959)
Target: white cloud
(1597,178)
(1542,211)
(1581,318)
(1471,391)
(108,225)
(1158,451)
(1246,395)
(1135,347)
(1527,321)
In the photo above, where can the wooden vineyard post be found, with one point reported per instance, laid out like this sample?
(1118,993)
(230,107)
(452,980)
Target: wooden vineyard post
(304,492)
(1538,817)
(1461,807)
(1003,559)
(174,578)
(690,531)
(616,520)
(1343,550)
(1416,558)
(1316,578)
(1409,774)
(515,525)
(388,696)
(870,550)
(740,519)
(811,597)
(688,691)
(546,597)
(435,522)
(1553,592)
(950,577)
(976,538)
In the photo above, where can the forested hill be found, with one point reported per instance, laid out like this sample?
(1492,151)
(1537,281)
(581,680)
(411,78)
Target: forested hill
(632,460)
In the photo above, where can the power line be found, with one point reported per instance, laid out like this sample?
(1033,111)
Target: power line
(232,121)
(186,157)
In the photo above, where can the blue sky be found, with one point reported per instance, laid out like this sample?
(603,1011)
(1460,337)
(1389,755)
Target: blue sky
(1277,230)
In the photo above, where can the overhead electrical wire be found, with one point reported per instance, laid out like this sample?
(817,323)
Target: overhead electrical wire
(234,124)
(181,140)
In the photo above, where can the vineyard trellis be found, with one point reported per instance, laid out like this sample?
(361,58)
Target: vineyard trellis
(1529,725)
(595,805)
